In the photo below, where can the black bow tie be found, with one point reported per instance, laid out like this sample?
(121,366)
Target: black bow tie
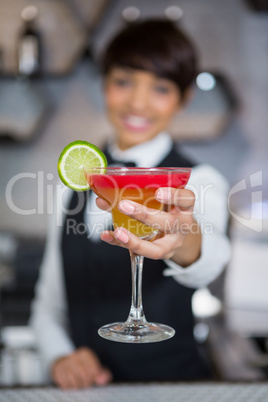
(122,163)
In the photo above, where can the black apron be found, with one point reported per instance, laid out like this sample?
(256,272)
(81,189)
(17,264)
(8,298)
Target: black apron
(98,288)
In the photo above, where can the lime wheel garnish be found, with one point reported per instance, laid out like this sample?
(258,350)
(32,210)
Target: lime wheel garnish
(77,158)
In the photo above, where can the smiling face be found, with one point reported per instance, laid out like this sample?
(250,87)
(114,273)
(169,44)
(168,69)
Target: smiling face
(139,104)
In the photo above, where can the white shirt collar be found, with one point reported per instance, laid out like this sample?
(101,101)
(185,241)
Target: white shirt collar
(147,154)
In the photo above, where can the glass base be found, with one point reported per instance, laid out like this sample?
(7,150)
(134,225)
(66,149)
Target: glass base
(136,333)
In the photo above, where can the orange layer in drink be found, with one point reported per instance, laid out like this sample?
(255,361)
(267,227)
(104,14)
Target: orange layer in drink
(141,196)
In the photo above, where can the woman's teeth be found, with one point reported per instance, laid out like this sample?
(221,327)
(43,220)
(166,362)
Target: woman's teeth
(137,122)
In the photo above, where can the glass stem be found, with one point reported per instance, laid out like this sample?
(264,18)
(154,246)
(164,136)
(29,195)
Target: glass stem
(136,314)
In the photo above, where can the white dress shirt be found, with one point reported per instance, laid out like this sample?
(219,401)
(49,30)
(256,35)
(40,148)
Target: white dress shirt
(49,317)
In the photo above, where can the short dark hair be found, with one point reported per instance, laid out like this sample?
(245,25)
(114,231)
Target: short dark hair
(154,45)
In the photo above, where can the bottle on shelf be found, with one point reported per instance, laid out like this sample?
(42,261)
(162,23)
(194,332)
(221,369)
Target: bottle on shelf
(29,44)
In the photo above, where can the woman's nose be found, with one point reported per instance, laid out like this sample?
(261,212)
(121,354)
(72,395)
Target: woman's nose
(139,98)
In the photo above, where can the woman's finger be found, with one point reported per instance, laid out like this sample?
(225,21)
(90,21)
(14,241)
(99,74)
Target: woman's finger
(167,222)
(90,364)
(181,198)
(69,373)
(102,204)
(69,380)
(74,379)
(83,378)
(158,249)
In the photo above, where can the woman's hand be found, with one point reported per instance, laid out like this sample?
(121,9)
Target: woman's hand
(80,369)
(181,236)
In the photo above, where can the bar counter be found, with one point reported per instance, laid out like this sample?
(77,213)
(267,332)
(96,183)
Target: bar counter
(185,392)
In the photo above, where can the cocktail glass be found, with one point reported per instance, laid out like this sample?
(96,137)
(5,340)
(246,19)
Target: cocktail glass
(115,184)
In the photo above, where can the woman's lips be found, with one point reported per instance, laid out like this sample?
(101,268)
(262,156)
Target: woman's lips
(136,123)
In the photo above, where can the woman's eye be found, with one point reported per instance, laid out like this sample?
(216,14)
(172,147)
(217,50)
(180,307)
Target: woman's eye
(161,89)
(122,82)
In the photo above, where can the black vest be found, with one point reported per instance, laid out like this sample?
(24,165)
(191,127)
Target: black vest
(98,288)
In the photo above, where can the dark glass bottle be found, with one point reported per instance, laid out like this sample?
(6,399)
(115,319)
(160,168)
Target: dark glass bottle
(29,44)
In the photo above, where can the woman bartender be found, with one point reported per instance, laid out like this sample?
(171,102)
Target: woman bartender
(148,71)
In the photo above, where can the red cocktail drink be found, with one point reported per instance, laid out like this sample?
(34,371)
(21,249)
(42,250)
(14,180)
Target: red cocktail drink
(136,184)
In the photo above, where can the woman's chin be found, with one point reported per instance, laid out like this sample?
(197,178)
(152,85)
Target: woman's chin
(129,138)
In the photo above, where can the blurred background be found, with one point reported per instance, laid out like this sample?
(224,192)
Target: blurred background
(50,95)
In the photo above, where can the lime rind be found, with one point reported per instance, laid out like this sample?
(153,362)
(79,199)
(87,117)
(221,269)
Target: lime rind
(77,157)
